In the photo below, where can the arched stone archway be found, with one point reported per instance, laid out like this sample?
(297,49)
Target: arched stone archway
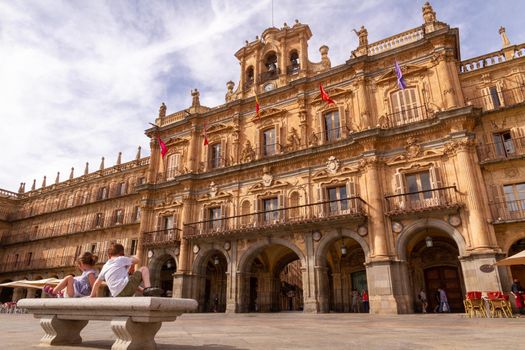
(270,277)
(6,293)
(162,267)
(211,269)
(341,273)
(429,251)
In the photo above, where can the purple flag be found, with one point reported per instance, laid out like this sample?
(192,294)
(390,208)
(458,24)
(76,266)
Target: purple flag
(400,80)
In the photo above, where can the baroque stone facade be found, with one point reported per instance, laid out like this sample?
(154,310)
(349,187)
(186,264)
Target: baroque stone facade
(389,190)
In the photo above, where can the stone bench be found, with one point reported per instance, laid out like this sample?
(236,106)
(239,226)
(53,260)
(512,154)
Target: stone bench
(134,320)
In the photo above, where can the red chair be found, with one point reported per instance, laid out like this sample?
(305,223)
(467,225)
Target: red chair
(473,295)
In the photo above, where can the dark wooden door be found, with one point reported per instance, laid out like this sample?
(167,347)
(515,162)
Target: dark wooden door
(445,277)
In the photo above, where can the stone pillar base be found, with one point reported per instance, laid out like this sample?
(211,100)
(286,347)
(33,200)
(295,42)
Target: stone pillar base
(310,306)
(61,332)
(134,335)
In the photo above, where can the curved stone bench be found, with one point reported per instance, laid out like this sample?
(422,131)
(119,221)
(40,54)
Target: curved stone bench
(134,320)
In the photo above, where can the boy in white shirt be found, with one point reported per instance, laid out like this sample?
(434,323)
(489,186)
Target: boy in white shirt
(115,273)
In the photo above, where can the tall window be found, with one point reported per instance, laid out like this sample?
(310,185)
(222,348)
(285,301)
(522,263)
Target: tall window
(119,216)
(133,248)
(99,219)
(136,213)
(215,156)
(503,144)
(167,223)
(417,182)
(332,126)
(515,197)
(270,206)
(173,165)
(249,75)
(337,197)
(93,247)
(103,193)
(121,189)
(269,142)
(214,215)
(494,96)
(29,257)
(405,107)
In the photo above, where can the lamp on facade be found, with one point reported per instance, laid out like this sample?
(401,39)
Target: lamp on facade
(343,248)
(216,260)
(429,242)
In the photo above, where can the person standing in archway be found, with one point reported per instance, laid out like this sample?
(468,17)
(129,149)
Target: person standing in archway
(517,292)
(366,304)
(422,296)
(443,301)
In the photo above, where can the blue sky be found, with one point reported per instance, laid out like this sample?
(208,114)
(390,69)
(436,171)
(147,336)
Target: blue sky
(81,79)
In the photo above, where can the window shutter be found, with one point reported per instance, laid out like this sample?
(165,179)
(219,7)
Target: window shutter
(207,156)
(497,201)
(255,210)
(343,122)
(257,143)
(398,202)
(487,98)
(320,131)
(435,177)
(499,89)
(222,154)
(278,140)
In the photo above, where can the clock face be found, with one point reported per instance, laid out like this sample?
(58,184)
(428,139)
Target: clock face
(269,87)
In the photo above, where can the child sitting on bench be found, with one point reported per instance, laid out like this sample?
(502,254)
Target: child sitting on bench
(115,273)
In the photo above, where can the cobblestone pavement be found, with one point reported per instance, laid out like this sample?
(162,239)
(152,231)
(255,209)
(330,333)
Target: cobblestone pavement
(295,331)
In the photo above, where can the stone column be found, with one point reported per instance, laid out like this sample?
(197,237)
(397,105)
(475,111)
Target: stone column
(192,163)
(363,104)
(376,216)
(450,91)
(181,278)
(323,289)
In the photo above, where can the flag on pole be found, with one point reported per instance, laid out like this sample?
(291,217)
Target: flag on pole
(205,134)
(400,80)
(257,106)
(324,95)
(163,148)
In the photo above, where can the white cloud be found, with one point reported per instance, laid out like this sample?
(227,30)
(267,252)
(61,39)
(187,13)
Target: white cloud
(81,80)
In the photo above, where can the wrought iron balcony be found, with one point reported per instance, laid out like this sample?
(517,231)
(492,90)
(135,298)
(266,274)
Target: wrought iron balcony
(161,237)
(508,211)
(508,149)
(83,225)
(269,75)
(329,136)
(38,264)
(421,201)
(405,116)
(302,216)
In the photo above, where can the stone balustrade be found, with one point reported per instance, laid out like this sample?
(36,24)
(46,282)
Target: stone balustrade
(490,59)
(395,41)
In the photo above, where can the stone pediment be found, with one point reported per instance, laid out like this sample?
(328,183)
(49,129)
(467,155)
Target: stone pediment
(270,112)
(176,141)
(219,195)
(333,93)
(258,187)
(216,128)
(407,70)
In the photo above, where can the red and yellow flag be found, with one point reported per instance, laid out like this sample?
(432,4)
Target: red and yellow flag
(257,106)
(324,95)
(163,148)
(205,134)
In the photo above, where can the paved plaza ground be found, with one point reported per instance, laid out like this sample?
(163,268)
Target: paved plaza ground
(295,331)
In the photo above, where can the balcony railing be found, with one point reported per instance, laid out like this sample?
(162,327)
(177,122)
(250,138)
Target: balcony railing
(161,237)
(509,149)
(38,264)
(330,135)
(353,208)
(269,75)
(505,98)
(420,201)
(406,116)
(508,211)
(86,225)
(293,69)
(395,41)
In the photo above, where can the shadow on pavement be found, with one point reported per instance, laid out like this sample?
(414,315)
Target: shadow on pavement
(106,344)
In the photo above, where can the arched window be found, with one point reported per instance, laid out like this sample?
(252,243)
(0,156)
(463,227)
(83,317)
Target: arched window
(249,75)
(271,62)
(406,107)
(294,66)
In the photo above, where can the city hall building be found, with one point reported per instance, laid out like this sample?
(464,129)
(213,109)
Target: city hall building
(390,189)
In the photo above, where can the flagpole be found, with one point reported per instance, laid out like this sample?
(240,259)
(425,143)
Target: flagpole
(272,13)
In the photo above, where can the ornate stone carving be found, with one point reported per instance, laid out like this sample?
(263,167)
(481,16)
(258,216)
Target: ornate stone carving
(511,172)
(294,141)
(429,15)
(332,165)
(248,153)
(412,148)
(162,110)
(314,139)
(229,94)
(267,178)
(362,34)
(213,189)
